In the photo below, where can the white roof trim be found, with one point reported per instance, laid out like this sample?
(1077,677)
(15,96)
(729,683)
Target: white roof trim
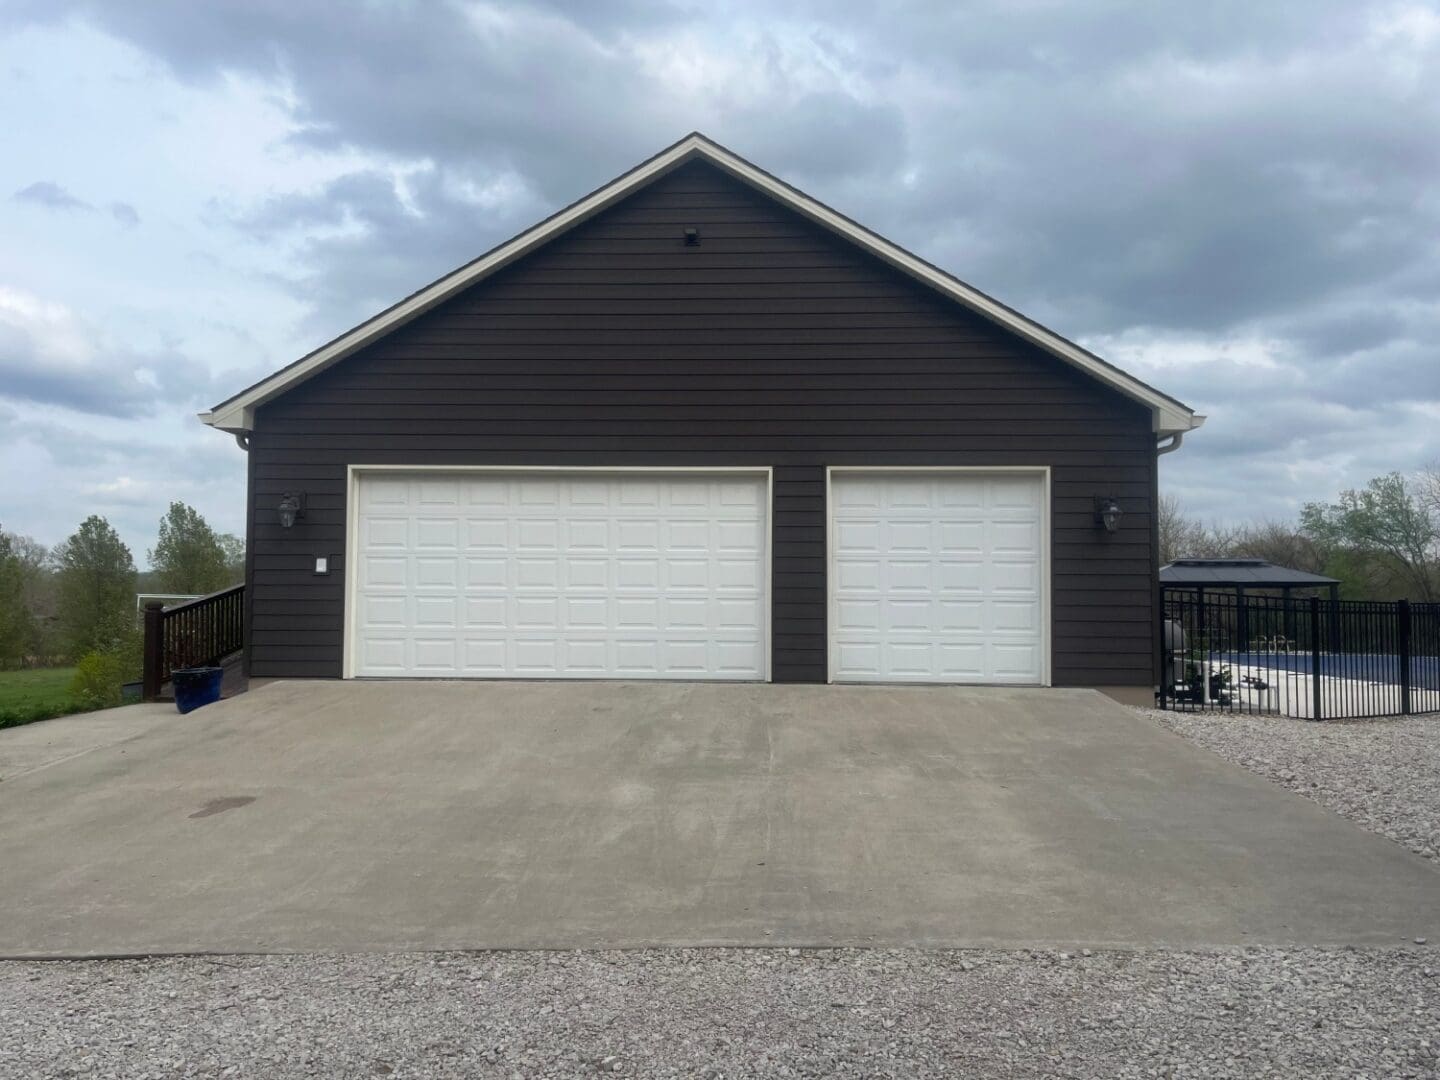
(238,413)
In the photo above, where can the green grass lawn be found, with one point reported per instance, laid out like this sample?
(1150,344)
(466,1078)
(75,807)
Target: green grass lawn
(35,695)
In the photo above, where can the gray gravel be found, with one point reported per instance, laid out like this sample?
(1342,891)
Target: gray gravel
(730,1013)
(1382,774)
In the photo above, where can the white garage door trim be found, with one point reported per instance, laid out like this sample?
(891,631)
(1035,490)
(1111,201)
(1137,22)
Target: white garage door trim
(1041,471)
(352,523)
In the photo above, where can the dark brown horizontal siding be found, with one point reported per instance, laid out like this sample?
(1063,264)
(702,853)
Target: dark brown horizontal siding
(772,343)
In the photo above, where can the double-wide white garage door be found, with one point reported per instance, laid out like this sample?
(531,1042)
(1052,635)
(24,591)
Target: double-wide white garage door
(560,575)
(934,576)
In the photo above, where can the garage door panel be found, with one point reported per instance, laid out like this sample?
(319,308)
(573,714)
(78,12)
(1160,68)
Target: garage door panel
(960,537)
(537,493)
(386,532)
(908,537)
(1017,616)
(434,611)
(380,572)
(637,613)
(742,494)
(435,654)
(960,617)
(966,576)
(857,536)
(536,573)
(535,612)
(587,656)
(687,535)
(640,493)
(683,496)
(1011,494)
(859,615)
(909,658)
(742,536)
(737,575)
(383,611)
(435,572)
(380,494)
(936,577)
(483,656)
(484,612)
(433,493)
(587,575)
(729,614)
(907,576)
(687,574)
(738,657)
(537,534)
(384,654)
(497,575)
(1018,663)
(963,661)
(586,613)
(437,534)
(1009,576)
(908,616)
(638,535)
(1010,537)
(688,614)
(485,573)
(637,573)
(536,656)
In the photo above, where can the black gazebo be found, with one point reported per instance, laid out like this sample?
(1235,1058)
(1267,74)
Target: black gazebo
(1239,575)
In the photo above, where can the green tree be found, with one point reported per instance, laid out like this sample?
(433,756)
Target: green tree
(234,549)
(96,588)
(17,620)
(1383,519)
(190,557)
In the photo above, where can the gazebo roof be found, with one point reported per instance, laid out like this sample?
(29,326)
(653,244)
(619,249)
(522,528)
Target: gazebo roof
(1239,573)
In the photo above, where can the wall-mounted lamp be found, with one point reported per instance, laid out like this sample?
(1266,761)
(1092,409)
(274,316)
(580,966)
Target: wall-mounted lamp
(292,506)
(1108,512)
(692,237)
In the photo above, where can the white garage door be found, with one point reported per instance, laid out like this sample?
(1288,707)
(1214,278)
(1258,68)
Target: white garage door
(937,577)
(560,575)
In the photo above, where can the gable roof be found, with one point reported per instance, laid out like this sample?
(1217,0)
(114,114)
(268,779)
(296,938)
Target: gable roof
(237,414)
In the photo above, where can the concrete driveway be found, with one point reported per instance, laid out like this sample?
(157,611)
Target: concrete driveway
(364,816)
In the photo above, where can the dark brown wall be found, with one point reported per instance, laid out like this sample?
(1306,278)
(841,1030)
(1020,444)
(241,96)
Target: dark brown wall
(772,343)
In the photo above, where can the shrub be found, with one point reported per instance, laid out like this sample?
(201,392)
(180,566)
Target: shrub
(98,678)
(29,714)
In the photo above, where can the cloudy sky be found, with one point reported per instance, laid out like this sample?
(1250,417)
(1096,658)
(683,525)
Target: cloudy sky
(1235,201)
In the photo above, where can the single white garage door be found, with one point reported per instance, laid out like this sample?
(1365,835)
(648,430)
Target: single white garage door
(937,577)
(560,575)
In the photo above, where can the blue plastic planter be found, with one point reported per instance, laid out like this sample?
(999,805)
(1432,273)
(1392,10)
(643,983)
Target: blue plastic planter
(196,686)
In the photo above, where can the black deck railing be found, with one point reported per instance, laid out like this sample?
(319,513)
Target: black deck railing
(192,634)
(1312,658)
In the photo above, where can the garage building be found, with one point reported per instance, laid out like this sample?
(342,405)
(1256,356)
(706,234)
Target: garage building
(697,425)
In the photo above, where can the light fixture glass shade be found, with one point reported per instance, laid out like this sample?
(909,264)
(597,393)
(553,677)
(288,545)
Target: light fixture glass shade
(289,509)
(1110,515)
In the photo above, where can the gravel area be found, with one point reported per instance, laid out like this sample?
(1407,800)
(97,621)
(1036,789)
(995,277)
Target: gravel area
(730,1013)
(1382,774)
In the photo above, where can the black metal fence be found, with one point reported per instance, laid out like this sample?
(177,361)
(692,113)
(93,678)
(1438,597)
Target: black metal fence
(1311,658)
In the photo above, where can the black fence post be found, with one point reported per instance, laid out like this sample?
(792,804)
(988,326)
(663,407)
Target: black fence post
(1315,697)
(1162,696)
(150,666)
(1403,639)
